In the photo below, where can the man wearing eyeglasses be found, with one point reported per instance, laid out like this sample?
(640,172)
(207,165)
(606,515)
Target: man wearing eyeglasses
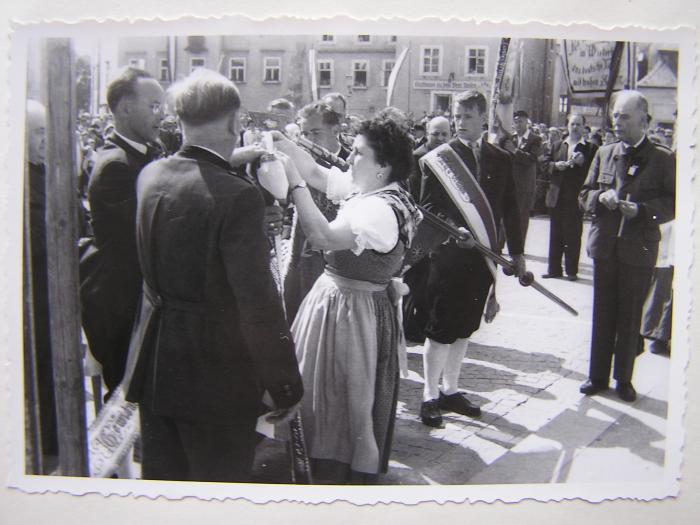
(110,278)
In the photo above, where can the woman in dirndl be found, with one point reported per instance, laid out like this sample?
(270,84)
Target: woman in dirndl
(348,330)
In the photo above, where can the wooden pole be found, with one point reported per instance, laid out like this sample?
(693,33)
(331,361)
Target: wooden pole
(32,422)
(62,249)
(612,78)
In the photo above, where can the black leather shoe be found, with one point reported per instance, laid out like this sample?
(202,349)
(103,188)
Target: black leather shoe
(430,413)
(591,387)
(551,276)
(626,392)
(459,404)
(572,278)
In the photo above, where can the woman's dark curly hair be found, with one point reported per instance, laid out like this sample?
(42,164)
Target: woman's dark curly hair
(391,145)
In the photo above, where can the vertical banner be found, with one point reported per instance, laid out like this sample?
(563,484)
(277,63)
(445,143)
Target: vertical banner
(391,85)
(503,100)
(497,80)
(312,72)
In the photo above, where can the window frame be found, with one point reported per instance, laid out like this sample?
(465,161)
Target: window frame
(266,66)
(193,59)
(164,69)
(423,48)
(137,62)
(353,70)
(385,77)
(564,104)
(469,48)
(364,42)
(243,68)
(330,62)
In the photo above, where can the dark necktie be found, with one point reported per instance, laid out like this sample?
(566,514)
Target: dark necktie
(474,147)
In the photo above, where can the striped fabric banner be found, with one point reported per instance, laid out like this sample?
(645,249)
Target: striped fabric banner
(465,192)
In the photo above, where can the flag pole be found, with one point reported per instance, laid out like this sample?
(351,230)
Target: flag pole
(391,85)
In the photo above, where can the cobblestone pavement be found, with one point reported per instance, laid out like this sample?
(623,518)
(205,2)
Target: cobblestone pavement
(524,370)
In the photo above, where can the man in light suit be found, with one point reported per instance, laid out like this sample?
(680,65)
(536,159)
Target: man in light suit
(630,190)
(524,147)
(211,335)
(110,278)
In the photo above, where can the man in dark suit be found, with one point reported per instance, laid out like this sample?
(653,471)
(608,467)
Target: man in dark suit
(567,165)
(525,148)
(38,334)
(414,307)
(110,279)
(438,134)
(459,280)
(419,135)
(211,335)
(630,189)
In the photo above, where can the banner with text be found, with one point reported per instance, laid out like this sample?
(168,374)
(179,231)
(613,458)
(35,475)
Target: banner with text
(587,65)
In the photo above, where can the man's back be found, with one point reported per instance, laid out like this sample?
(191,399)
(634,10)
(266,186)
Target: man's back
(205,262)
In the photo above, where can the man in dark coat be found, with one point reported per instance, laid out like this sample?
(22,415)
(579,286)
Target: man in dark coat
(459,280)
(414,307)
(525,147)
(110,278)
(630,190)
(40,336)
(567,165)
(211,335)
(438,133)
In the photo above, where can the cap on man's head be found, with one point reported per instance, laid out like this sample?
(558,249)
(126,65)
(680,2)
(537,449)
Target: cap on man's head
(520,113)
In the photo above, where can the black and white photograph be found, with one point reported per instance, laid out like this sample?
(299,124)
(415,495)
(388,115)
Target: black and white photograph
(368,261)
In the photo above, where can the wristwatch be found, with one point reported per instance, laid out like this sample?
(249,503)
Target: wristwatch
(301,184)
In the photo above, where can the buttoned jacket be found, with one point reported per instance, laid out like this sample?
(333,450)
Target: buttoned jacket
(646,176)
(494,176)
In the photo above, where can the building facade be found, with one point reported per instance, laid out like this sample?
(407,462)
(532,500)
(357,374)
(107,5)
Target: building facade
(358,66)
(266,67)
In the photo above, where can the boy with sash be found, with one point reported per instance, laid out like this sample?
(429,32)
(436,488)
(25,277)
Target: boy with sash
(468,183)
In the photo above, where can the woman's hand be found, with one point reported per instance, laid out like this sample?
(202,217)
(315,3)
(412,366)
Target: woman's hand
(290,169)
(304,161)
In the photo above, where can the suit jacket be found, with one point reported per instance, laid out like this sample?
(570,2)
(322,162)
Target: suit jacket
(496,182)
(109,269)
(211,333)
(525,158)
(571,179)
(414,178)
(648,176)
